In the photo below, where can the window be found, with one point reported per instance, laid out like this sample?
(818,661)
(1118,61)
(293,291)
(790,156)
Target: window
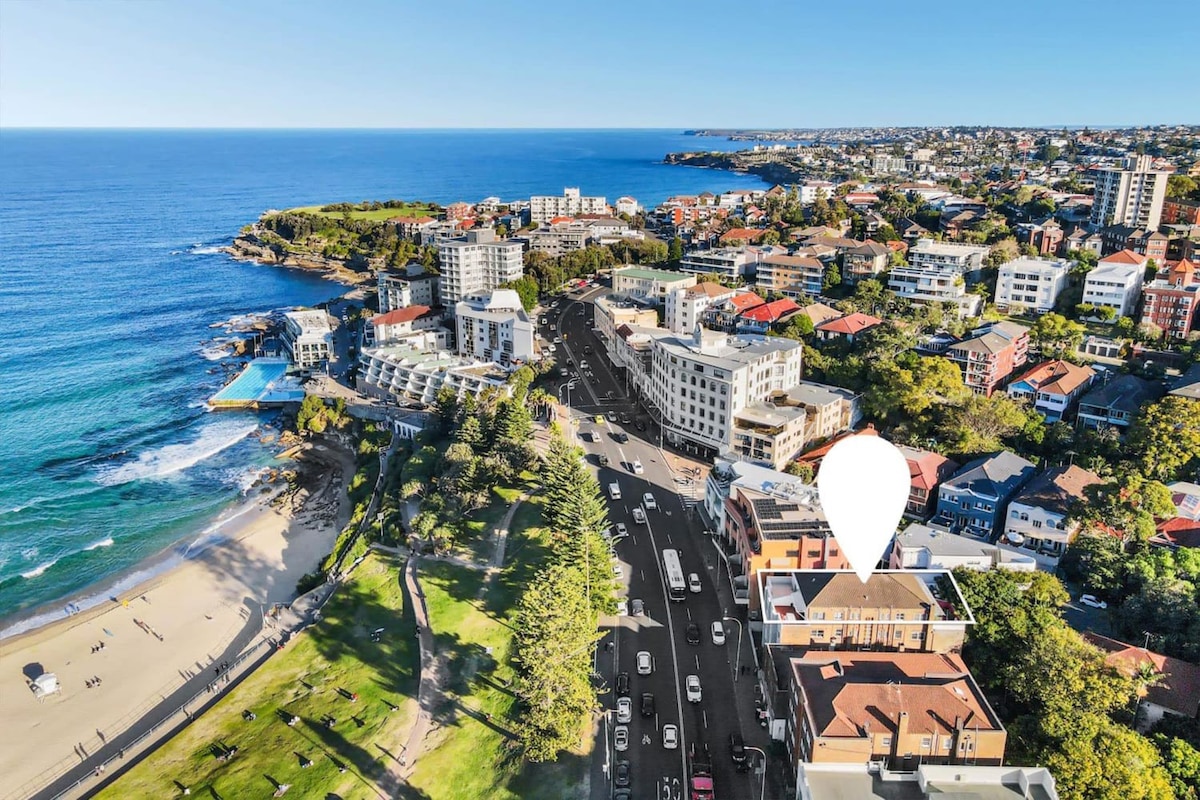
(926,742)
(886,741)
(899,615)
(838,615)
(817,615)
(819,633)
(916,635)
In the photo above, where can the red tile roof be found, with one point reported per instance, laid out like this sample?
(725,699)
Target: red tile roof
(1057,377)
(925,467)
(746,300)
(851,324)
(1178,532)
(1124,257)
(743,234)
(400,315)
(1178,689)
(771,312)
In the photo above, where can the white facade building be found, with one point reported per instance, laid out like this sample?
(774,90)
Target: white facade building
(728,262)
(1031,282)
(543,208)
(627,205)
(1114,285)
(416,375)
(649,285)
(922,547)
(493,326)
(408,286)
(935,284)
(684,307)
(477,262)
(1130,195)
(964,258)
(308,338)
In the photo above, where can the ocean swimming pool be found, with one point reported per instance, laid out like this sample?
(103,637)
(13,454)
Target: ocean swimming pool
(259,382)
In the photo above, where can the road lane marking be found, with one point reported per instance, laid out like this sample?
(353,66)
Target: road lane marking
(705,715)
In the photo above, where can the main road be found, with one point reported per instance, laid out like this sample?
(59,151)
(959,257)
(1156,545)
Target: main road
(656,771)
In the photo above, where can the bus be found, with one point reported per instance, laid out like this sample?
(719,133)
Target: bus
(676,585)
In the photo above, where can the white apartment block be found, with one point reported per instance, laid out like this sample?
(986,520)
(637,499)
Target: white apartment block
(699,382)
(493,326)
(543,208)
(649,285)
(415,375)
(1031,282)
(684,307)
(627,205)
(728,262)
(1131,194)
(936,284)
(308,338)
(767,434)
(809,190)
(555,240)
(612,312)
(477,262)
(965,258)
(1114,285)
(408,286)
(885,162)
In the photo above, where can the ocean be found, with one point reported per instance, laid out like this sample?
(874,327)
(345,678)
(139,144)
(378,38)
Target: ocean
(111,282)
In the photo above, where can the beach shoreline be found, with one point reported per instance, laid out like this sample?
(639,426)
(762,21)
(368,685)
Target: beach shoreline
(150,638)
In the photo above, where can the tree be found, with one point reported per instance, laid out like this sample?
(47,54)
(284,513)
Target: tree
(311,416)
(799,327)
(1166,438)
(981,424)
(802,470)
(1096,561)
(1182,186)
(1054,335)
(526,288)
(832,277)
(770,237)
(675,250)
(1182,763)
(1100,760)
(1002,252)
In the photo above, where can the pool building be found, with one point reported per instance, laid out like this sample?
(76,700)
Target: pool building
(264,382)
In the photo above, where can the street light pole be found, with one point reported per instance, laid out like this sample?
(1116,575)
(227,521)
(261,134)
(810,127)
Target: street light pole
(762,792)
(738,661)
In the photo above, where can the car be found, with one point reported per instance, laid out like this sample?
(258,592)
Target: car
(623,607)
(583,364)
(623,794)
(599,419)
(644,664)
(603,460)
(609,394)
(624,710)
(621,738)
(638,469)
(587,351)
(718,633)
(693,688)
(623,684)
(693,633)
(562,372)
(639,516)
(737,751)
(557,339)
(649,502)
(621,774)
(671,737)
(542,321)
(612,417)
(626,419)
(554,304)
(621,530)
(647,704)
(639,609)
(550,348)
(1093,601)
(617,571)
(694,583)
(622,437)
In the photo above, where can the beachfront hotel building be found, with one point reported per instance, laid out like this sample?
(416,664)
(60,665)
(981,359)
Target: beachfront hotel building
(415,375)
(543,208)
(477,262)
(493,326)
(307,338)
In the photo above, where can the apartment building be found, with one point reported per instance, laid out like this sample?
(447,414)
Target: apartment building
(1117,402)
(1146,242)
(1052,387)
(922,547)
(990,355)
(697,383)
(766,434)
(864,261)
(965,259)
(477,262)
(1045,237)
(926,782)
(402,322)
(724,315)
(411,285)
(1032,283)
(559,238)
(1116,282)
(729,263)
(649,285)
(974,501)
(493,326)
(307,338)
(685,306)
(926,471)
(543,208)
(612,312)
(779,272)
(935,284)
(1177,211)
(416,375)
(724,477)
(1131,194)
(1170,300)
(1037,515)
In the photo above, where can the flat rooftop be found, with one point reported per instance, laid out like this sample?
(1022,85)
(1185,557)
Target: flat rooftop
(865,786)
(641,273)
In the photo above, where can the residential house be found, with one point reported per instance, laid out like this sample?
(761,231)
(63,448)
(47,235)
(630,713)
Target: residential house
(761,318)
(1052,387)
(910,231)
(974,501)
(458,211)
(1171,299)
(926,471)
(739,236)
(723,315)
(1116,282)
(819,312)
(864,261)
(1187,385)
(1037,515)
(849,327)
(1032,283)
(1046,237)
(649,285)
(402,322)
(1116,402)
(990,355)
(627,205)
(922,547)
(1175,690)
(1081,239)
(685,307)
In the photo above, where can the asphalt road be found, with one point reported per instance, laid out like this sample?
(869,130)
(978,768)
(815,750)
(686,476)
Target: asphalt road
(656,772)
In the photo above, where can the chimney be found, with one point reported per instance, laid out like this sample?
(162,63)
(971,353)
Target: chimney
(902,724)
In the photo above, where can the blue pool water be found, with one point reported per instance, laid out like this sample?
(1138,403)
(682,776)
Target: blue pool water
(252,383)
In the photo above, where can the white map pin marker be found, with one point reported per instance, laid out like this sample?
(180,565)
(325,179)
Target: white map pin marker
(863,484)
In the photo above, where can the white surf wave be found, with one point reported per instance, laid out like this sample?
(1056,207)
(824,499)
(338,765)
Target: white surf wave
(172,458)
(204,249)
(97,545)
(39,569)
(30,503)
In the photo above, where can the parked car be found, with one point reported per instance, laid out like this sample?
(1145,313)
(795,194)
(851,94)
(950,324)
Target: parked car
(649,502)
(624,710)
(718,633)
(621,531)
(623,794)
(621,774)
(603,460)
(612,417)
(737,750)
(647,704)
(621,738)
(617,571)
(694,583)
(639,608)
(623,684)
(644,664)
(638,469)
(693,688)
(671,737)
(621,437)
(626,419)
(639,516)
(1093,601)
(693,633)
(599,419)
(622,607)
(587,351)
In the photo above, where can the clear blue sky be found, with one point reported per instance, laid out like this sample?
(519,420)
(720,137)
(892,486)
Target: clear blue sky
(650,63)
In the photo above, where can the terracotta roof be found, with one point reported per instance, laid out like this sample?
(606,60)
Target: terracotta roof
(1124,257)
(560,220)
(1178,532)
(745,234)
(814,456)
(708,288)
(1057,377)
(794,261)
(851,324)
(926,468)
(745,300)
(771,312)
(1055,488)
(1177,690)
(400,315)
(845,590)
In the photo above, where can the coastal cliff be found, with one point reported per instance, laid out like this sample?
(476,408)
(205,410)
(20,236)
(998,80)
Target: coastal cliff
(749,162)
(250,246)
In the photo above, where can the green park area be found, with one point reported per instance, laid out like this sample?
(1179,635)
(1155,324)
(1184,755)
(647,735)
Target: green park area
(313,678)
(372,214)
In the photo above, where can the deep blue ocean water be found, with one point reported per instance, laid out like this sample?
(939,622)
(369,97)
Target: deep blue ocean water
(110,281)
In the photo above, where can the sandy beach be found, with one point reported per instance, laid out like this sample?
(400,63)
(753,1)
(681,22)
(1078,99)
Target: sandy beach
(162,633)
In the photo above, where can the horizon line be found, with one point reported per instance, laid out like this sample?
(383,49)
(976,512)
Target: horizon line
(680,128)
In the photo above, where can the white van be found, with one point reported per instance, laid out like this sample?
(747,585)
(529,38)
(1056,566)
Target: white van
(614,491)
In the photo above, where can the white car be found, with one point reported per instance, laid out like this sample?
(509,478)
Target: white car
(621,738)
(671,737)
(558,340)
(637,468)
(693,688)
(550,348)
(649,502)
(644,663)
(624,709)
(617,571)
(622,608)
(622,531)
(718,633)
(1093,601)
(583,364)
(639,516)
(694,583)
